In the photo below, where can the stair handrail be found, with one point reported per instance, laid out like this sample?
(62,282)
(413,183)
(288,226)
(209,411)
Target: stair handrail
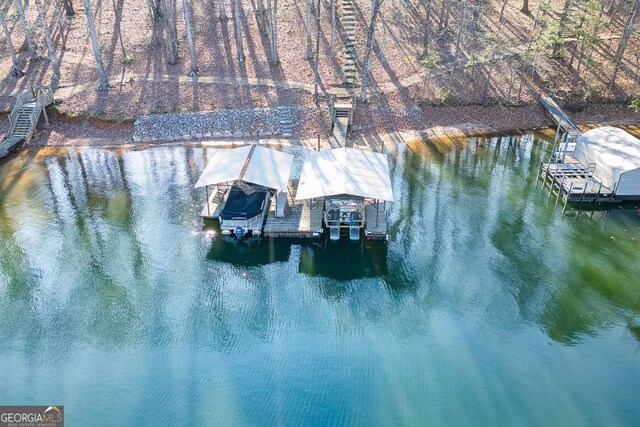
(21,99)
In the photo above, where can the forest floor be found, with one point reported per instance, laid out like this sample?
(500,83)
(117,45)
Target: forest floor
(403,94)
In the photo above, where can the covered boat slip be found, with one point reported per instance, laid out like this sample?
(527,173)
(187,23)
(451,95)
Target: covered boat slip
(355,185)
(603,167)
(242,180)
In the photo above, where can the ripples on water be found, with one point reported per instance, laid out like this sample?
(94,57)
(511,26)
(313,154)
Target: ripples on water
(487,306)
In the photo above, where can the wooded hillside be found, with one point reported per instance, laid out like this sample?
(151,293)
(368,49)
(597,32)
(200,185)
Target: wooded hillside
(170,55)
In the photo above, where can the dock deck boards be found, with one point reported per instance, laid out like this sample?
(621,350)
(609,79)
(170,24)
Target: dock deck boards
(573,183)
(212,208)
(376,227)
(302,218)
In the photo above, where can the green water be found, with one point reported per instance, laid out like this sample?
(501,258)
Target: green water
(488,307)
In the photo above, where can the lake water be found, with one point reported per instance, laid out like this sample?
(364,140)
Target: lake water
(487,307)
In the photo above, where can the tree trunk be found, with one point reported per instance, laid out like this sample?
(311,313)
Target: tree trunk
(28,33)
(461,25)
(153,16)
(68,7)
(51,51)
(238,24)
(626,35)
(118,13)
(427,29)
(309,52)
(186,9)
(7,35)
(333,25)
(104,81)
(272,17)
(375,9)
(525,7)
(172,32)
(317,58)
(443,22)
(222,13)
(504,6)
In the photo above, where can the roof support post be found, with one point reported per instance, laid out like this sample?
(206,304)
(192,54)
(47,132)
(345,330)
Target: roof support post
(206,189)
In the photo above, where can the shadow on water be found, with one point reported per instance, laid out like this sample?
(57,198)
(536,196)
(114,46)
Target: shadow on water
(343,260)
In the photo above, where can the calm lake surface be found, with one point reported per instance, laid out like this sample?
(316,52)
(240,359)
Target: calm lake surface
(488,307)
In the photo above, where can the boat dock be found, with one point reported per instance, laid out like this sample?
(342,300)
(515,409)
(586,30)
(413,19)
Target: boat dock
(573,182)
(376,224)
(302,218)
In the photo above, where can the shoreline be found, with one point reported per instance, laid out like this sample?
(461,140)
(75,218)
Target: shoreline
(445,125)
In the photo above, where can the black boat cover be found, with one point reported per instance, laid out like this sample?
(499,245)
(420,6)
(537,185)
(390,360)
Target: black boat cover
(242,205)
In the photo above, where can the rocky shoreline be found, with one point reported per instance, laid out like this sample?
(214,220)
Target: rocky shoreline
(301,124)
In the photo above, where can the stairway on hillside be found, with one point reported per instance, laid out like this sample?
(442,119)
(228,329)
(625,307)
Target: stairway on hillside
(286,121)
(348,18)
(24,117)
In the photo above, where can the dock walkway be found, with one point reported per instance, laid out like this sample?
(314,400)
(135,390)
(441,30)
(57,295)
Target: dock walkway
(302,218)
(562,119)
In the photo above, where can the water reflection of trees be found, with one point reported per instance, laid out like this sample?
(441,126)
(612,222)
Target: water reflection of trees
(113,242)
(482,199)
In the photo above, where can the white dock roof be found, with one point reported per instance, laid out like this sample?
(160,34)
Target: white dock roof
(250,163)
(613,150)
(345,171)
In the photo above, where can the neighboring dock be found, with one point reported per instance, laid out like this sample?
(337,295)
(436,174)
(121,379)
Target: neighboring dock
(601,165)
(302,218)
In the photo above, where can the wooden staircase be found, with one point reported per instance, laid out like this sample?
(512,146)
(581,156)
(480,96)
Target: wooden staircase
(348,19)
(25,115)
(341,120)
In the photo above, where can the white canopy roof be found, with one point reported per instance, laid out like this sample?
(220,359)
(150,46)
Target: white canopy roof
(613,150)
(250,163)
(345,171)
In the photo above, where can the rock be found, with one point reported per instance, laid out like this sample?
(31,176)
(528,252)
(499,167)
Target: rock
(238,134)
(227,133)
(187,137)
(136,138)
(207,135)
(216,134)
(198,135)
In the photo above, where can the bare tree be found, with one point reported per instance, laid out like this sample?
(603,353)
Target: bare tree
(272,17)
(626,35)
(237,20)
(44,27)
(186,9)
(93,35)
(28,32)
(375,10)
(68,7)
(502,8)
(7,36)
(461,27)
(525,7)
(427,28)
(309,52)
(222,13)
(154,16)
(333,25)
(172,32)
